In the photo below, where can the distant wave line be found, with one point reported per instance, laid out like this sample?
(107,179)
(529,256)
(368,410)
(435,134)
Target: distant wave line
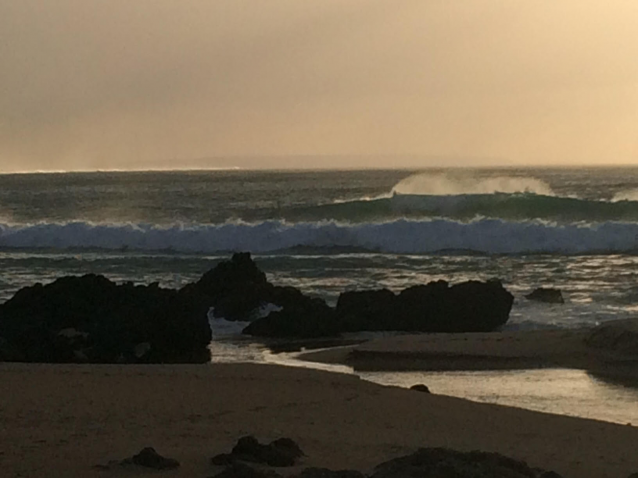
(487,236)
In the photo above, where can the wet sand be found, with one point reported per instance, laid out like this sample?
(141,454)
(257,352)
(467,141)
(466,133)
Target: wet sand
(61,420)
(481,351)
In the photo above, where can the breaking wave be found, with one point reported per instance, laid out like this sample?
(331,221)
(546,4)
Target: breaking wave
(463,197)
(463,207)
(452,185)
(488,236)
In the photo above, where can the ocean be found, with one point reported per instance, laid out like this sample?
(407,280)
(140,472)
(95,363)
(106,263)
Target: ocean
(331,231)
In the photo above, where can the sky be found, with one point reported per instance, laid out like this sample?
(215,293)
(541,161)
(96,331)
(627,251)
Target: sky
(165,84)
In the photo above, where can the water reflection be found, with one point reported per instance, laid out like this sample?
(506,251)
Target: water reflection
(561,391)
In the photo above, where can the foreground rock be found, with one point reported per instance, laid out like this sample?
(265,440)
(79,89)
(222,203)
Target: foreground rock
(281,452)
(548,296)
(91,319)
(242,470)
(436,307)
(424,463)
(326,473)
(617,337)
(443,463)
(147,458)
(419,387)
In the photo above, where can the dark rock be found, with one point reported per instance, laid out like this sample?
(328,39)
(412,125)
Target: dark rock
(8,353)
(326,473)
(308,318)
(288,446)
(366,310)
(420,388)
(241,470)
(435,307)
(549,296)
(281,452)
(235,288)
(443,462)
(616,336)
(237,291)
(223,459)
(149,458)
(91,319)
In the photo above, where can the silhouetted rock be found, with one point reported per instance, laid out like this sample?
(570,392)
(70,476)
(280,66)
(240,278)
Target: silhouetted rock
(435,307)
(617,336)
(241,470)
(326,473)
(149,458)
(237,290)
(549,296)
(234,288)
(91,319)
(366,310)
(308,318)
(443,462)
(420,388)
(281,452)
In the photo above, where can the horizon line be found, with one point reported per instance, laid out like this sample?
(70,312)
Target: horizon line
(316,169)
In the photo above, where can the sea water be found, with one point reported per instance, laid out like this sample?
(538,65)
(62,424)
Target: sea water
(330,231)
(326,232)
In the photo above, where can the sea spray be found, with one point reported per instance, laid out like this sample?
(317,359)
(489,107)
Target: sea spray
(433,184)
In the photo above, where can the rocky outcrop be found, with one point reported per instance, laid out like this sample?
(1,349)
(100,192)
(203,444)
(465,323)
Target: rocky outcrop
(424,463)
(443,462)
(326,473)
(436,307)
(281,453)
(234,288)
(147,458)
(242,470)
(419,387)
(91,319)
(546,295)
(617,336)
(308,318)
(237,290)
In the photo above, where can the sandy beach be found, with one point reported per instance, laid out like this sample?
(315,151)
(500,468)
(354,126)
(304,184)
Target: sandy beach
(62,420)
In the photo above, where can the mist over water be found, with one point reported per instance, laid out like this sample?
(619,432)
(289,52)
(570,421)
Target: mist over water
(629,195)
(443,184)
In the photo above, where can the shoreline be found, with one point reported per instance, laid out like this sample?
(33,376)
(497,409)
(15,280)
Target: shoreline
(62,420)
(510,350)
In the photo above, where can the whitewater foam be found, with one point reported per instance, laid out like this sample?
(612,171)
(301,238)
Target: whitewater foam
(449,184)
(628,195)
(490,236)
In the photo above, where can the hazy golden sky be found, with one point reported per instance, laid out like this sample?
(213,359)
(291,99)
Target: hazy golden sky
(89,84)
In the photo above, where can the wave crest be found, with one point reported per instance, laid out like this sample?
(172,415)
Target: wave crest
(451,185)
(399,236)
